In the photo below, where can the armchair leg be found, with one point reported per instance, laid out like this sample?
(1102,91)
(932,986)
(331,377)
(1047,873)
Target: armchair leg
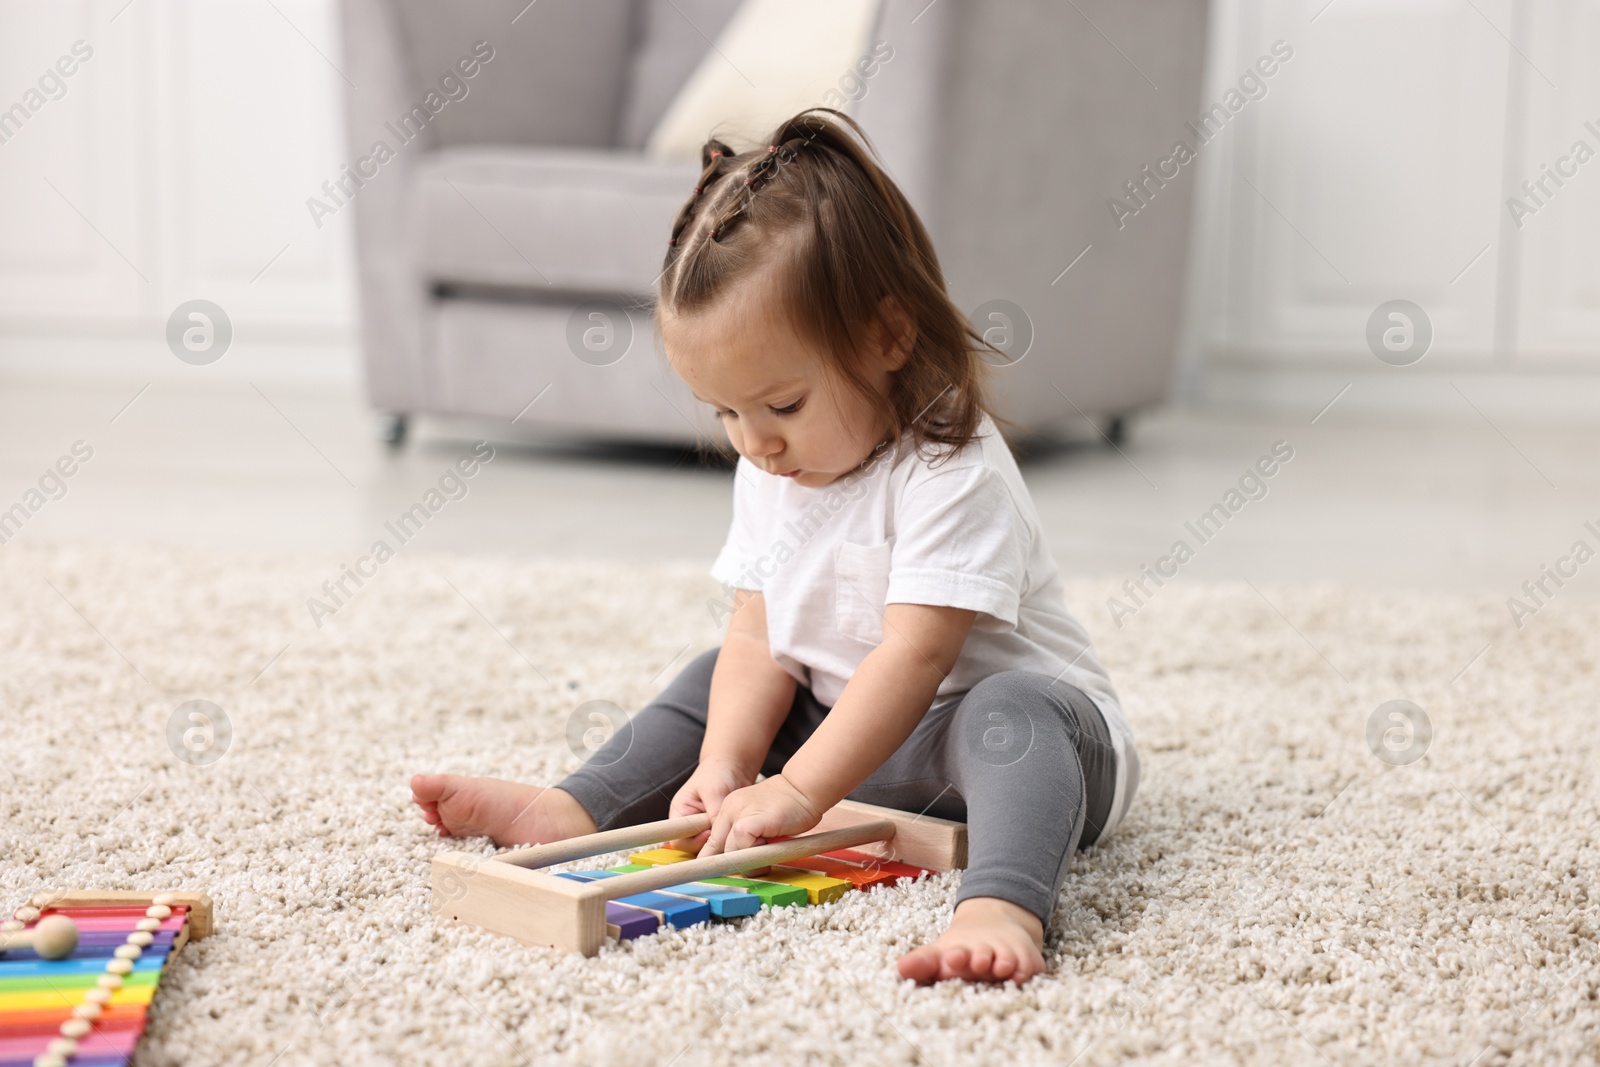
(391,428)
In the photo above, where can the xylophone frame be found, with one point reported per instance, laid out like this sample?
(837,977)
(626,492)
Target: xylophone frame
(505,894)
(199,905)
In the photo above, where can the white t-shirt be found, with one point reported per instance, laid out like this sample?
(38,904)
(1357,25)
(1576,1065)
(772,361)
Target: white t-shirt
(898,531)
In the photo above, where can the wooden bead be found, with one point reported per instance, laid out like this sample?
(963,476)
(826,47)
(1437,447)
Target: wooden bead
(119,967)
(27,913)
(74,1028)
(147,924)
(128,952)
(158,911)
(90,1008)
(49,1059)
(54,938)
(109,981)
(142,938)
(164,898)
(97,997)
(62,1046)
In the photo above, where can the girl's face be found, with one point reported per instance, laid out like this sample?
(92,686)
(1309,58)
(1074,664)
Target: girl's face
(782,405)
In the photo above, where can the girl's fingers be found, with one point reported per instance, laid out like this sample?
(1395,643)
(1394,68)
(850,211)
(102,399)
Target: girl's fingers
(715,837)
(745,833)
(691,845)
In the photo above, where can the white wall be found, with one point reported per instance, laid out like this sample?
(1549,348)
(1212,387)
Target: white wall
(175,165)
(1378,167)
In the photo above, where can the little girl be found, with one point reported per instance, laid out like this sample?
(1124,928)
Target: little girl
(898,632)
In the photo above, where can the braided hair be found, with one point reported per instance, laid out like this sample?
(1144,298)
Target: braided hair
(715,158)
(852,241)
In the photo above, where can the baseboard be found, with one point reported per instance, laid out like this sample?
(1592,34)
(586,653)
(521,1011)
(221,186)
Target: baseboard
(1443,393)
(332,365)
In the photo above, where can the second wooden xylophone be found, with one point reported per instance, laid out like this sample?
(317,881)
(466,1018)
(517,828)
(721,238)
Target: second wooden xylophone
(87,1007)
(855,847)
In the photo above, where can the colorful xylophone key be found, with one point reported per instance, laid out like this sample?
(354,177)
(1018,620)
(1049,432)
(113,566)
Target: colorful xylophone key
(858,868)
(724,898)
(724,903)
(877,863)
(821,887)
(771,893)
(656,857)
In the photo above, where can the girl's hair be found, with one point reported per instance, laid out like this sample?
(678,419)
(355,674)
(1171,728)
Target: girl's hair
(848,238)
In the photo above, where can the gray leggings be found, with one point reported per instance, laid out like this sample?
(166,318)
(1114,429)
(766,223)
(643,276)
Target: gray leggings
(1024,761)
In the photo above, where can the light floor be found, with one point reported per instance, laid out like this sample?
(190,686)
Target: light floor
(1380,502)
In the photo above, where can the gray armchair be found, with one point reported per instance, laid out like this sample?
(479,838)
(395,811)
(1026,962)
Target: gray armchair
(512,203)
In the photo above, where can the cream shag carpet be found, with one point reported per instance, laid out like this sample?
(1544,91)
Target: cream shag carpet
(1277,896)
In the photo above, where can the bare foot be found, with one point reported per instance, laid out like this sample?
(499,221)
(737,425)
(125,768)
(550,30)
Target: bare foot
(510,813)
(989,940)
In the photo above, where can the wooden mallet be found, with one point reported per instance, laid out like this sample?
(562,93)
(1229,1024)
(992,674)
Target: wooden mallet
(54,937)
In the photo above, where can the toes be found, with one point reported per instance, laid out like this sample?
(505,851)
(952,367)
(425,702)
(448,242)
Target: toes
(940,963)
(1028,966)
(425,788)
(920,965)
(955,962)
(439,796)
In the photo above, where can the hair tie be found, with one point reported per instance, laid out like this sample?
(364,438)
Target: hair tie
(771,148)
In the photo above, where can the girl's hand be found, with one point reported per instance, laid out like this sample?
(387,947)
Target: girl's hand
(749,816)
(704,791)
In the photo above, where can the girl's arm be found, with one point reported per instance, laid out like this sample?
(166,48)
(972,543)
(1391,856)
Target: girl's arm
(750,694)
(881,704)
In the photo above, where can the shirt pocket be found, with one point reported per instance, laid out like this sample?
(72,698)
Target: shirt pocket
(861,582)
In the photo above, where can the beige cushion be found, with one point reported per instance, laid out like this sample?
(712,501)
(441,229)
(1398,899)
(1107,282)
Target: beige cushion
(772,59)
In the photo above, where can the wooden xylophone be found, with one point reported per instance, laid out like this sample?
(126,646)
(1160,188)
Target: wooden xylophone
(854,847)
(89,1008)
